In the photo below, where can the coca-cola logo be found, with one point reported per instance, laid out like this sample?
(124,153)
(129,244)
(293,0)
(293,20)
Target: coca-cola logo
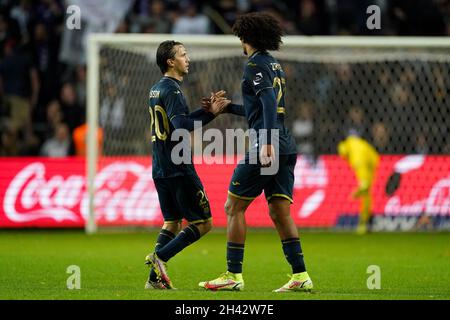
(124,192)
(46,192)
(437,202)
(30,191)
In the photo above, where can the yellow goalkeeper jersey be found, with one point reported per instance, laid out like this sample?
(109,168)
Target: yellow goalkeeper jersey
(361,156)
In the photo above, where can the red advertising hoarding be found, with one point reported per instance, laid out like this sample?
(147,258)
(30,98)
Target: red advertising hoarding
(44,192)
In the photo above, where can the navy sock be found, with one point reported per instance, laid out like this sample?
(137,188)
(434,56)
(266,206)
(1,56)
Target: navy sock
(235,257)
(165,236)
(187,236)
(293,253)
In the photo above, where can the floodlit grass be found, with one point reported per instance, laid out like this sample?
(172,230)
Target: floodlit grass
(33,265)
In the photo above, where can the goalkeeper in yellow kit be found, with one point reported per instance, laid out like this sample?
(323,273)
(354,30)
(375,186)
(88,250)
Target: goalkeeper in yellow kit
(363,159)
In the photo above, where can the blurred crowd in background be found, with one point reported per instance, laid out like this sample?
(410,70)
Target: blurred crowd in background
(43,63)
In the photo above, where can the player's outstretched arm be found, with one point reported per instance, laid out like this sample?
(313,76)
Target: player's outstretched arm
(200,115)
(184,121)
(218,103)
(236,109)
(230,108)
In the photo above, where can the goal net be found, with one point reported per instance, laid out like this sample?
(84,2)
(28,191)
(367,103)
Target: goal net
(392,92)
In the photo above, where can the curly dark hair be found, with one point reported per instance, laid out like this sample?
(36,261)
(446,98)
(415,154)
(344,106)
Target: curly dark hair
(260,30)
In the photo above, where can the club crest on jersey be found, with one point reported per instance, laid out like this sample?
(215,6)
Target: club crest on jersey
(276,66)
(154,94)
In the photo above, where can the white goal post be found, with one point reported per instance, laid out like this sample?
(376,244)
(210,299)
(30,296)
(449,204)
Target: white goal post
(295,48)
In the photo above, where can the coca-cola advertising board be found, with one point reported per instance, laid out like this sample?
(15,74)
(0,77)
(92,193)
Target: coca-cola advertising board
(45,192)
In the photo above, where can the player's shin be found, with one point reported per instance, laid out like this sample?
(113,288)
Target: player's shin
(294,255)
(165,236)
(187,236)
(235,257)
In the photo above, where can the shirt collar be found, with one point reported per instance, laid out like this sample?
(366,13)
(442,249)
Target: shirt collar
(254,54)
(173,79)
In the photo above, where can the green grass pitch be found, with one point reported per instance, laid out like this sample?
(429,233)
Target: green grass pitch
(33,265)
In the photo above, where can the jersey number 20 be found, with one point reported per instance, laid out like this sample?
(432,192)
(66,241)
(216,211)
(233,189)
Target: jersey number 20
(155,121)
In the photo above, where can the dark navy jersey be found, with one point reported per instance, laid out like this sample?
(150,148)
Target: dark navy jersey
(166,101)
(263,72)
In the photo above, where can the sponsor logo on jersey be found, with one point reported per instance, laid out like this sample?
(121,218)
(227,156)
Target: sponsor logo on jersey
(258,79)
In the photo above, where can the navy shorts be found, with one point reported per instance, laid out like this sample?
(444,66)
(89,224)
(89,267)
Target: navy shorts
(183,197)
(247,183)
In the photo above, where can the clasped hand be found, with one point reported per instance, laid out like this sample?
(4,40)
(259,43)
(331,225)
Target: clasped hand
(216,103)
